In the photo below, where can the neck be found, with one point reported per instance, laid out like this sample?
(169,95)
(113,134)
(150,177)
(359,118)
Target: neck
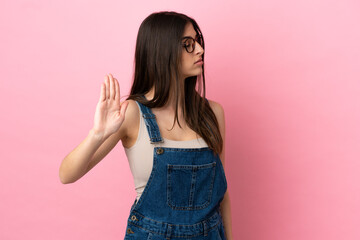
(171,103)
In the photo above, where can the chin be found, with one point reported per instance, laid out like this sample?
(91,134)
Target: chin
(194,74)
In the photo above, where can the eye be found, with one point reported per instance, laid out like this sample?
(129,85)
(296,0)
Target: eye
(188,43)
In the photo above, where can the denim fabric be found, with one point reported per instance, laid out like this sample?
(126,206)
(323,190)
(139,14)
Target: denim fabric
(181,199)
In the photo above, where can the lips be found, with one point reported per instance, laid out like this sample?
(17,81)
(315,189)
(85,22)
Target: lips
(199,60)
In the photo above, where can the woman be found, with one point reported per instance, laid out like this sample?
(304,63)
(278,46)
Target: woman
(173,137)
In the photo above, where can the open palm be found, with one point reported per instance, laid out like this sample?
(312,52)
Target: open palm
(110,114)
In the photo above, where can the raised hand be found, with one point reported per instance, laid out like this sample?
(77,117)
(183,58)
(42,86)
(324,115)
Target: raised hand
(110,114)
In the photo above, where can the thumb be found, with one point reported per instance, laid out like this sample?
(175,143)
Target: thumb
(123,108)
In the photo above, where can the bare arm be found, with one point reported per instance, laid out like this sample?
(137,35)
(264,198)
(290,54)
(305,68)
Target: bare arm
(107,131)
(76,162)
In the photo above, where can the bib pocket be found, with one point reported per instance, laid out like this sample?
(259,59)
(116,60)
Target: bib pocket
(189,187)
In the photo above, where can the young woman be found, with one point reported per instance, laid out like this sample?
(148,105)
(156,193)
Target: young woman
(172,135)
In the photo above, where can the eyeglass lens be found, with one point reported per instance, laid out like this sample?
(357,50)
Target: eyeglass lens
(190,43)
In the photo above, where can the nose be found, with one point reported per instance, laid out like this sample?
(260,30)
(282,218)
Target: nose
(198,48)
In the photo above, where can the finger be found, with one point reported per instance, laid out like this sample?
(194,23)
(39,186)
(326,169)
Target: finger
(123,108)
(112,87)
(102,92)
(107,83)
(104,86)
(117,90)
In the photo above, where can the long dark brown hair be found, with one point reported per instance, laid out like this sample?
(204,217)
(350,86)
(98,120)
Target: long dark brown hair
(157,63)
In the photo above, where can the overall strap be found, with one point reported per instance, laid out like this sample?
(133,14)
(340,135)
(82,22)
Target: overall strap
(151,125)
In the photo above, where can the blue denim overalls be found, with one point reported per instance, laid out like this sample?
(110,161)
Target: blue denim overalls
(182,197)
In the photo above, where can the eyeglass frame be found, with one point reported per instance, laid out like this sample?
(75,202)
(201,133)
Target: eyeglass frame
(198,37)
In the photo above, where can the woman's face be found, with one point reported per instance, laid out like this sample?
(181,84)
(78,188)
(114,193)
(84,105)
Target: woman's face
(188,66)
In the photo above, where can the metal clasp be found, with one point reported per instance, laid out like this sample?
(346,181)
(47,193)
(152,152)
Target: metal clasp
(160,151)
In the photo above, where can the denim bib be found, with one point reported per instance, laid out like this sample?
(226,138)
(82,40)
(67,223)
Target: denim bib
(181,199)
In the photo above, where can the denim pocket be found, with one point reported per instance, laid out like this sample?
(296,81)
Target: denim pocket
(189,187)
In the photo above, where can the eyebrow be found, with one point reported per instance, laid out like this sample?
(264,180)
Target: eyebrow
(191,36)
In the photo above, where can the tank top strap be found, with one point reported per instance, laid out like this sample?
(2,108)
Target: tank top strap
(151,124)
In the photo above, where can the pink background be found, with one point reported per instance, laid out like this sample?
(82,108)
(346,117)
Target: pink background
(286,72)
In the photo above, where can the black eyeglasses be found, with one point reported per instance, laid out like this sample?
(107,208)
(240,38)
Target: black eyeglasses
(189,44)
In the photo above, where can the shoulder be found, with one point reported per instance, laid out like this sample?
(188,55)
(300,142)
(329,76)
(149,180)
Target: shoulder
(220,117)
(131,121)
(132,109)
(217,109)
(219,114)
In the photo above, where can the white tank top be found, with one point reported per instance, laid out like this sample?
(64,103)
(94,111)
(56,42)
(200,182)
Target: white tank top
(140,155)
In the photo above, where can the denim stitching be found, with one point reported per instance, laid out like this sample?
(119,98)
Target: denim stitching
(182,225)
(174,235)
(169,149)
(191,206)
